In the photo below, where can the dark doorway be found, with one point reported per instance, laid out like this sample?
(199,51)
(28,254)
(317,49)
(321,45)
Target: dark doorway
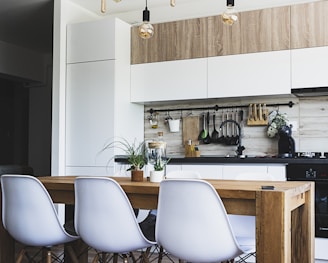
(14,108)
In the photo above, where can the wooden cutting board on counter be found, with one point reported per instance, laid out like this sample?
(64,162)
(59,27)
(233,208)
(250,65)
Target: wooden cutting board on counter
(190,129)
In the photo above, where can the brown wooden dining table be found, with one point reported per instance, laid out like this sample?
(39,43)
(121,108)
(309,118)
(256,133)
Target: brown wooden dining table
(284,214)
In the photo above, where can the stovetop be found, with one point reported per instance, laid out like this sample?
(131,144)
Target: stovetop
(315,155)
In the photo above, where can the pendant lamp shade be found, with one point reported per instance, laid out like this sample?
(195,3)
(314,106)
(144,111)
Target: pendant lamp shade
(146,29)
(229,16)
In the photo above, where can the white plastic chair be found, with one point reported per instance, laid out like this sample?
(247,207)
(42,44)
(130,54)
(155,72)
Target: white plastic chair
(29,215)
(192,223)
(104,217)
(180,174)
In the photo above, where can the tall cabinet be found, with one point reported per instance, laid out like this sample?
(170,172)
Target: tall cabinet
(98,108)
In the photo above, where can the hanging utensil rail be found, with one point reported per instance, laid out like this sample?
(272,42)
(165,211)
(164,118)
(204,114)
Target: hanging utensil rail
(216,107)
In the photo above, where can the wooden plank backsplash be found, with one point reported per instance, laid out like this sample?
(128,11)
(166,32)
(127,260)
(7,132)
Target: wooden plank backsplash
(309,116)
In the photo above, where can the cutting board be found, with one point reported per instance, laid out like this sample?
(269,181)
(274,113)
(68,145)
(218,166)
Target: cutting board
(190,129)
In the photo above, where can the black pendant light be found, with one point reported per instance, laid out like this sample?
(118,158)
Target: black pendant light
(229,16)
(146,29)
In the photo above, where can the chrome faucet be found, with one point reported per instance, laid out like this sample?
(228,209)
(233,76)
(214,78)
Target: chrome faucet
(240,148)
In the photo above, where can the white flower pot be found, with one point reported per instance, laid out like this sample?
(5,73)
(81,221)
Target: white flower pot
(156,176)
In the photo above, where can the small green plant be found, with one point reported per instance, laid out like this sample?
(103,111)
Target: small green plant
(160,164)
(135,152)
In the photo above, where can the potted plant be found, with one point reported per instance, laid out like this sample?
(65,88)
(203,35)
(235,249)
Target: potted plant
(277,120)
(136,156)
(158,174)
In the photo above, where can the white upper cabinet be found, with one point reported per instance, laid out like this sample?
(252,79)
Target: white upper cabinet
(255,74)
(92,40)
(309,67)
(171,80)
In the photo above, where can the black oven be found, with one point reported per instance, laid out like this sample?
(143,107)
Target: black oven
(317,172)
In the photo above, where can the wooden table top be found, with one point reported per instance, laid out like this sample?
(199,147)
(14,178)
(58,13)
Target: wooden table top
(284,216)
(67,182)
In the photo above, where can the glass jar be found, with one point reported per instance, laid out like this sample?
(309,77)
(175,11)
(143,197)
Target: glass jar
(156,151)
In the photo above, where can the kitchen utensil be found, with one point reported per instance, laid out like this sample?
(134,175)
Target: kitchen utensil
(250,113)
(265,112)
(241,122)
(236,139)
(255,116)
(228,130)
(167,117)
(260,112)
(222,138)
(190,129)
(203,133)
(207,139)
(215,133)
(232,129)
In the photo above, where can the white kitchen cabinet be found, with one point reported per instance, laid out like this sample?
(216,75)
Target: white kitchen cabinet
(88,118)
(170,80)
(254,74)
(277,171)
(173,167)
(254,172)
(232,172)
(98,107)
(206,171)
(309,67)
(93,40)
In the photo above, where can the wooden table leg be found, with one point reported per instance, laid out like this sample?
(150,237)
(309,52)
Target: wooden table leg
(303,230)
(285,227)
(272,235)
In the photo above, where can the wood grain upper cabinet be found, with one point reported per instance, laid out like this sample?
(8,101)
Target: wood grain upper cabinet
(185,39)
(309,67)
(265,73)
(170,80)
(309,25)
(256,31)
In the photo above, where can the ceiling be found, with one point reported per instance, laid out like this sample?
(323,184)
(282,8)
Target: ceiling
(28,23)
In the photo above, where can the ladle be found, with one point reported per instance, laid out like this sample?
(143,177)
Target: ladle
(215,133)
(207,139)
(203,133)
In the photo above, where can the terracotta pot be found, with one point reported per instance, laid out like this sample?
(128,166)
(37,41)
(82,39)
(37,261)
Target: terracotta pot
(137,175)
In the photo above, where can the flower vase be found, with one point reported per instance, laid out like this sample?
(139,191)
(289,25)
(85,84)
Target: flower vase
(156,176)
(137,175)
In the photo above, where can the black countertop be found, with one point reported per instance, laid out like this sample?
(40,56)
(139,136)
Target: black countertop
(212,160)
